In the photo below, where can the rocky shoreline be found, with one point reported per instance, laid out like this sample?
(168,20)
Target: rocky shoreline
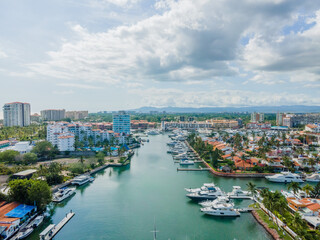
(272,232)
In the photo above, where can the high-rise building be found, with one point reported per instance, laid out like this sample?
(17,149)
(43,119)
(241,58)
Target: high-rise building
(75,115)
(53,114)
(121,123)
(279,118)
(257,117)
(16,114)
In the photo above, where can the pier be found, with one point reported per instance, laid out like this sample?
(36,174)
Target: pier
(52,229)
(193,169)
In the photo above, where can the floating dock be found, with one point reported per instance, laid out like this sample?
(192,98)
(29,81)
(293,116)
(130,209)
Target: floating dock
(244,210)
(52,229)
(193,169)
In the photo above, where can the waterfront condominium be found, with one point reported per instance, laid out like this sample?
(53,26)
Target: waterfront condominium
(53,114)
(257,117)
(16,114)
(121,123)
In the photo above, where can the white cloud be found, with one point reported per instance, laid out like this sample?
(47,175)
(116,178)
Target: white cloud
(3,54)
(190,41)
(297,54)
(77,85)
(63,92)
(236,98)
(189,44)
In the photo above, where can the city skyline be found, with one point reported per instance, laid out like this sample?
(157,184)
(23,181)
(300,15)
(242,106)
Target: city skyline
(125,54)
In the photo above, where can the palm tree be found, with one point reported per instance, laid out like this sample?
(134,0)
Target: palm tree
(232,154)
(252,188)
(294,186)
(297,221)
(312,162)
(81,160)
(308,189)
(286,161)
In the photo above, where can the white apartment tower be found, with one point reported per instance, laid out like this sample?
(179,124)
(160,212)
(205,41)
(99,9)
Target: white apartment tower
(279,118)
(16,114)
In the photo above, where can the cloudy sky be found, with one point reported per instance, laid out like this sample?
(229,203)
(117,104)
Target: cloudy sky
(122,54)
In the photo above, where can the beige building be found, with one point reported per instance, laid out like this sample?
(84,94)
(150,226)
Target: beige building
(75,115)
(53,114)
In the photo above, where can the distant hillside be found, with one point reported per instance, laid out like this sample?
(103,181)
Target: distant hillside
(264,109)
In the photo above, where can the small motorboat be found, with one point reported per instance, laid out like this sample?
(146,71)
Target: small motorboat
(238,193)
(208,203)
(186,162)
(37,221)
(25,232)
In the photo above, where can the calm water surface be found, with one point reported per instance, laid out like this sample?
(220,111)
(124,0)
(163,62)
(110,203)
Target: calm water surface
(123,202)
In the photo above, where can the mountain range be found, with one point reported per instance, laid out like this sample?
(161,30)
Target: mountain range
(263,109)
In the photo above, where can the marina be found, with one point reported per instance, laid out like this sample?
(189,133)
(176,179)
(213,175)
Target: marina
(123,202)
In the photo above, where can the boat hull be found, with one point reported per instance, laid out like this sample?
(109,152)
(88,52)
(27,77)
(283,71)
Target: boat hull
(312,180)
(218,213)
(63,198)
(239,197)
(200,198)
(284,181)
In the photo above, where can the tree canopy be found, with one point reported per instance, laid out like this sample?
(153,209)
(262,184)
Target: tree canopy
(45,149)
(30,192)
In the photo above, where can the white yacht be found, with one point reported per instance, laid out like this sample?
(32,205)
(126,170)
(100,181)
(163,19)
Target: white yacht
(186,162)
(206,195)
(25,232)
(180,156)
(82,180)
(285,177)
(221,209)
(238,193)
(299,194)
(37,221)
(209,203)
(152,132)
(62,194)
(313,178)
(205,187)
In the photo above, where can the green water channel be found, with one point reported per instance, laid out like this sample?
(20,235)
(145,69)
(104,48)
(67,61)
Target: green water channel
(122,203)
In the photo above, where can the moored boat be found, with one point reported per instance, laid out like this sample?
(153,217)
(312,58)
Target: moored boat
(205,187)
(238,193)
(80,180)
(221,210)
(210,203)
(313,178)
(37,221)
(25,232)
(63,193)
(285,177)
(206,195)
(186,162)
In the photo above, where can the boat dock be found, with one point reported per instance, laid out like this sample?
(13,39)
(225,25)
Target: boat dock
(193,161)
(193,169)
(244,210)
(52,229)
